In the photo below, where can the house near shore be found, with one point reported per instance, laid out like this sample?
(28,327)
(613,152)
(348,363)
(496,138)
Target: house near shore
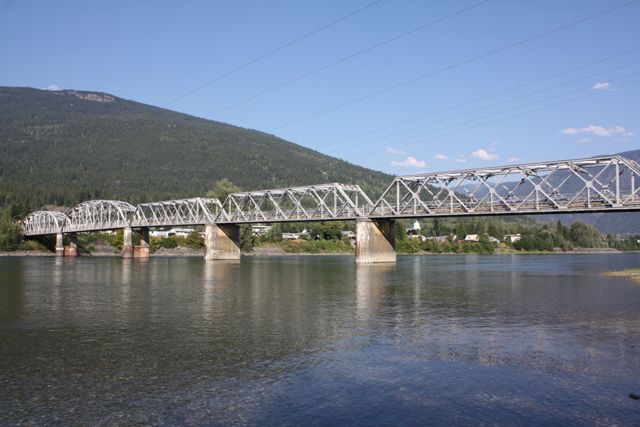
(348,234)
(178,232)
(296,236)
(415,232)
(260,229)
(511,238)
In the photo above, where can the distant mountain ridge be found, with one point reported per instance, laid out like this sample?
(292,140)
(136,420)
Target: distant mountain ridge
(63,147)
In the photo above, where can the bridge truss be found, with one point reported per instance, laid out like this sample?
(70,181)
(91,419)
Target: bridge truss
(583,185)
(96,215)
(312,203)
(596,184)
(43,222)
(192,211)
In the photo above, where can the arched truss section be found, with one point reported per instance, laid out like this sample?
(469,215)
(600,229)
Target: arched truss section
(311,203)
(43,222)
(193,211)
(583,185)
(96,215)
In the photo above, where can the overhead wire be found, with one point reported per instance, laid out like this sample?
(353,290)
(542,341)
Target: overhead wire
(474,100)
(593,93)
(346,58)
(486,107)
(455,65)
(273,52)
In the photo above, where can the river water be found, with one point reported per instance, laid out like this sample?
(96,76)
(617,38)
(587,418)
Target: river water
(518,340)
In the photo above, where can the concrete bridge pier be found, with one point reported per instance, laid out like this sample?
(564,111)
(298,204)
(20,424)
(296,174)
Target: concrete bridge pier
(142,250)
(72,249)
(221,241)
(59,245)
(127,243)
(375,241)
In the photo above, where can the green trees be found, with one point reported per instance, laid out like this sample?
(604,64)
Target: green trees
(10,233)
(327,230)
(584,235)
(222,188)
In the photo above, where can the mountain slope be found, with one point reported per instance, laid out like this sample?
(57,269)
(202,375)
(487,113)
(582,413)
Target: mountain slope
(63,147)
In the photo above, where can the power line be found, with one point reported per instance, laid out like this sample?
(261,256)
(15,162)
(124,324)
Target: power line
(491,95)
(455,65)
(346,58)
(493,105)
(502,118)
(273,52)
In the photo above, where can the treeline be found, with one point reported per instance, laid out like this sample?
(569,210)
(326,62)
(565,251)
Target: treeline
(532,236)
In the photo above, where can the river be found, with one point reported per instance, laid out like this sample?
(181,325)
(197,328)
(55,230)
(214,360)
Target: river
(317,340)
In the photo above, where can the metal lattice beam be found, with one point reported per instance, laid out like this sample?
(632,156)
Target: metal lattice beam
(311,203)
(584,185)
(98,215)
(43,222)
(193,211)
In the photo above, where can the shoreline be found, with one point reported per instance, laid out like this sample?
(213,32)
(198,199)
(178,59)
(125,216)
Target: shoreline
(167,254)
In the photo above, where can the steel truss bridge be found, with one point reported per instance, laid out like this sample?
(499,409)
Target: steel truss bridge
(600,184)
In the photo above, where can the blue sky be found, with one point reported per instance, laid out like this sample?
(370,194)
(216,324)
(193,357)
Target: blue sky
(501,108)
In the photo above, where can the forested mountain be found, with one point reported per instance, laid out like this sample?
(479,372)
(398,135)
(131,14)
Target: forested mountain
(63,147)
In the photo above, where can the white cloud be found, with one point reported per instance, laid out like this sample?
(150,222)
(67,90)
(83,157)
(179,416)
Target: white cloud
(583,140)
(599,131)
(410,162)
(601,86)
(52,87)
(494,143)
(395,151)
(513,159)
(461,159)
(484,155)
(441,157)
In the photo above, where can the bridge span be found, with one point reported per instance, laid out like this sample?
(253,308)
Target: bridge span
(598,184)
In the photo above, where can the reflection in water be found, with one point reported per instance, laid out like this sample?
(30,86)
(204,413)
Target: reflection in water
(374,286)
(482,339)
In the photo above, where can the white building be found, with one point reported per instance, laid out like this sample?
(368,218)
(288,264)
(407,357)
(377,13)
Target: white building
(472,238)
(511,238)
(260,229)
(176,231)
(347,234)
(162,234)
(295,236)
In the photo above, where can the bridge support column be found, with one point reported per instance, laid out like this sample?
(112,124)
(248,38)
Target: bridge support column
(142,251)
(72,249)
(221,241)
(375,241)
(127,243)
(59,245)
